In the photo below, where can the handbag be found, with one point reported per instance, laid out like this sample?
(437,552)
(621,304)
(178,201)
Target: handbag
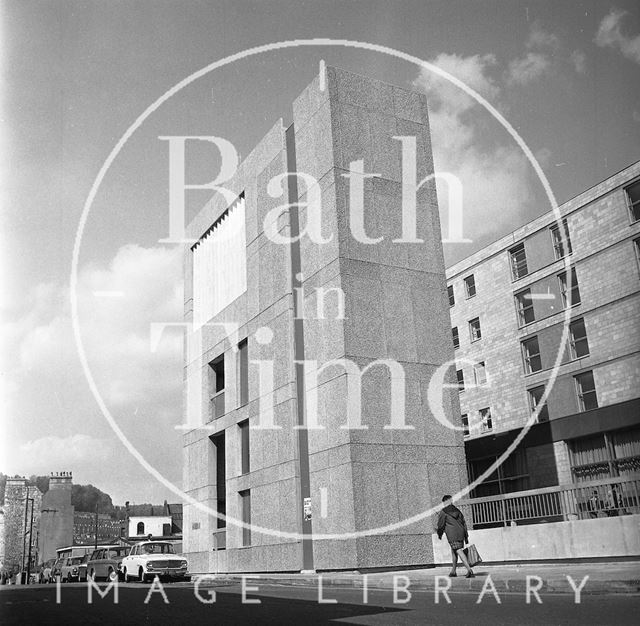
(472,554)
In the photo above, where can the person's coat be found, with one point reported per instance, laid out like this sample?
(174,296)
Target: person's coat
(451,523)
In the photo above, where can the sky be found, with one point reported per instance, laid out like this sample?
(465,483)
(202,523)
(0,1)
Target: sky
(76,75)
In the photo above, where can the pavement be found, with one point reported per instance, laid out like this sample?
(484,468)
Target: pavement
(603,577)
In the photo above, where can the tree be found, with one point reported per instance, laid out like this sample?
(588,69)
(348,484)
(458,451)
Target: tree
(87,498)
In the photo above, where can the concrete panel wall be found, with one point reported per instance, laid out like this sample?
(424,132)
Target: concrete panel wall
(594,538)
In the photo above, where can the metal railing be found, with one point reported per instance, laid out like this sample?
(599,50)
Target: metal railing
(584,500)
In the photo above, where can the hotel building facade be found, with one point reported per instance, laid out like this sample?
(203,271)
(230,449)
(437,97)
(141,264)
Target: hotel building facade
(510,304)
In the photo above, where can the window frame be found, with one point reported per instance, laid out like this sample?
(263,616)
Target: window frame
(564,288)
(472,336)
(217,395)
(515,271)
(455,335)
(460,380)
(573,341)
(245,512)
(484,428)
(522,310)
(480,366)
(243,372)
(632,206)
(470,285)
(527,357)
(557,240)
(452,296)
(580,393)
(464,418)
(543,414)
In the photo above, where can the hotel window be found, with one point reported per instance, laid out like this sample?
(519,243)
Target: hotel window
(245,511)
(518,261)
(535,395)
(216,387)
(452,298)
(474,329)
(480,374)
(244,446)
(578,342)
(633,200)
(524,306)
(470,286)
(531,355)
(573,298)
(465,425)
(485,420)
(586,390)
(559,246)
(636,245)
(456,337)
(460,377)
(243,372)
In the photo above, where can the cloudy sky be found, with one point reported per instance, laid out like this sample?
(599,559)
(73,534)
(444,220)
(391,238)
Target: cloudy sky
(75,76)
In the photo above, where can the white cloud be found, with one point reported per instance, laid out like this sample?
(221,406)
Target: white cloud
(496,178)
(47,454)
(579,60)
(142,389)
(528,68)
(540,38)
(610,35)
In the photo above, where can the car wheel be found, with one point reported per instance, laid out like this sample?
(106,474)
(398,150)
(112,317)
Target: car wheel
(127,578)
(92,575)
(111,575)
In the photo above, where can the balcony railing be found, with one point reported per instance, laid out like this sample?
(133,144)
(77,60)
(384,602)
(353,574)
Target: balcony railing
(584,500)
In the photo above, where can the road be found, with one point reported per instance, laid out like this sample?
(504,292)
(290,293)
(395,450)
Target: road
(299,605)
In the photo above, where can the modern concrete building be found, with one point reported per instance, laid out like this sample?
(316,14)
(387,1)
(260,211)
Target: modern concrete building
(310,497)
(508,303)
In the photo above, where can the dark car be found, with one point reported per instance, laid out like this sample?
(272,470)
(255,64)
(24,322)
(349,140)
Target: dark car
(104,563)
(82,568)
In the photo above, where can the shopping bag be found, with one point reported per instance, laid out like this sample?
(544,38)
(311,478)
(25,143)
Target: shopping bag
(472,554)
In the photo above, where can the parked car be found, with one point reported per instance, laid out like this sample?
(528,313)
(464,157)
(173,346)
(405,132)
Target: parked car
(104,563)
(149,559)
(82,568)
(69,569)
(45,574)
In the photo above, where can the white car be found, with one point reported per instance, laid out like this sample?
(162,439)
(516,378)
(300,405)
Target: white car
(149,559)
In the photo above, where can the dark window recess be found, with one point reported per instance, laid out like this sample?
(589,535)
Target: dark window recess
(452,298)
(531,355)
(486,422)
(578,342)
(460,377)
(524,306)
(166,530)
(244,446)
(570,296)
(518,258)
(243,371)
(586,389)
(221,477)
(512,475)
(535,395)
(140,528)
(216,386)
(465,424)
(474,329)
(456,337)
(561,247)
(480,374)
(245,510)
(470,285)
(633,200)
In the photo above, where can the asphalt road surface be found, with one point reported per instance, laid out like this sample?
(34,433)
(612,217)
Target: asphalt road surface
(299,605)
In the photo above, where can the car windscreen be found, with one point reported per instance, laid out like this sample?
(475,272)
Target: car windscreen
(157,548)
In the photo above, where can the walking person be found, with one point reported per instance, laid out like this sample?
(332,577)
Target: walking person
(451,523)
